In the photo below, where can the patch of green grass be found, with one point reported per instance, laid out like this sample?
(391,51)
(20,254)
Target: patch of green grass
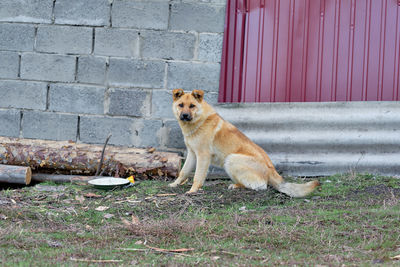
(350,220)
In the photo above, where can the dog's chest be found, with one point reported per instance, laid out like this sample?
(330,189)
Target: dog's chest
(199,145)
(217,157)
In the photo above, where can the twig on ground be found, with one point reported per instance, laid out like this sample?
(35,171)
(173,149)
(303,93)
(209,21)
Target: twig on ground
(170,250)
(238,255)
(161,250)
(134,249)
(166,195)
(97,261)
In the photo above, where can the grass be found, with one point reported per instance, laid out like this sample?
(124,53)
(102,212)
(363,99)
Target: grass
(350,220)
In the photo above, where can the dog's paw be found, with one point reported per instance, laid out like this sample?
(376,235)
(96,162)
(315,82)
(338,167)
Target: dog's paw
(194,191)
(232,186)
(235,186)
(172,185)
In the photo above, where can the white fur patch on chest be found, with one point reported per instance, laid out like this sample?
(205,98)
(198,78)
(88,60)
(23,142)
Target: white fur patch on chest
(217,158)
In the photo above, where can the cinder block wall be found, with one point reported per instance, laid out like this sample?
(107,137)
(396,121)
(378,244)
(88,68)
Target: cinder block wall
(79,70)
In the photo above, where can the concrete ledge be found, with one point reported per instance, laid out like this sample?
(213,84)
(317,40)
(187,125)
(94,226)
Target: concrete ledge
(317,139)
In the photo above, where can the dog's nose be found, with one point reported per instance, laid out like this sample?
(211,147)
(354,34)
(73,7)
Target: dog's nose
(185,117)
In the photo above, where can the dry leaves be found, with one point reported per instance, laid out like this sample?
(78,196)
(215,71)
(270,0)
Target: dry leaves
(80,198)
(134,221)
(92,195)
(151,150)
(108,215)
(102,208)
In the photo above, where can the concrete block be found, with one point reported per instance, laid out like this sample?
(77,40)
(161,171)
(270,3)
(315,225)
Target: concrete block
(76,98)
(91,69)
(172,137)
(167,45)
(149,133)
(161,104)
(130,102)
(78,12)
(210,47)
(21,94)
(125,131)
(31,11)
(116,42)
(200,17)
(136,73)
(211,98)
(9,64)
(9,121)
(140,15)
(48,125)
(64,39)
(45,67)
(17,37)
(189,76)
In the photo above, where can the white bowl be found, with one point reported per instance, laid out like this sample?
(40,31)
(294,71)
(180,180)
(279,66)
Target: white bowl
(108,183)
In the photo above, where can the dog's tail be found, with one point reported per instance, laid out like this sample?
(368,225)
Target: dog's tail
(291,189)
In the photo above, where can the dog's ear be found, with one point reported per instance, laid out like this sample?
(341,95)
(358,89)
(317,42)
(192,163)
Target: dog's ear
(198,94)
(177,93)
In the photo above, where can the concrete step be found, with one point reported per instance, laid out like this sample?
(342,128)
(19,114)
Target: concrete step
(346,141)
(314,139)
(319,164)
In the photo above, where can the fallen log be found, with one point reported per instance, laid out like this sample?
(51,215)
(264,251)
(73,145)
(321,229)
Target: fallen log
(15,174)
(71,158)
(62,178)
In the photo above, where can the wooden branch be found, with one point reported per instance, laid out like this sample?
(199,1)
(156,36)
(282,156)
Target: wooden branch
(102,155)
(96,261)
(71,158)
(15,174)
(62,178)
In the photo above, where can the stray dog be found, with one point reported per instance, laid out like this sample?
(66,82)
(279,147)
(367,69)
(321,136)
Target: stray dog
(211,140)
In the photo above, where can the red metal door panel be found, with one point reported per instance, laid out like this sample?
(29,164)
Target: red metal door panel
(232,54)
(389,56)
(359,42)
(313,60)
(311,50)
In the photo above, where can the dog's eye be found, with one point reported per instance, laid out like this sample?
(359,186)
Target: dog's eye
(191,106)
(181,105)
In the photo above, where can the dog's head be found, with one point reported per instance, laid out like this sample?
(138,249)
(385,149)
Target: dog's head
(187,107)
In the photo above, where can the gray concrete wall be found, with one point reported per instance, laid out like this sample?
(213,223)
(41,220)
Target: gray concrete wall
(79,70)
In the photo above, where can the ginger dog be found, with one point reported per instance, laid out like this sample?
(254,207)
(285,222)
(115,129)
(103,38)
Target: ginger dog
(211,140)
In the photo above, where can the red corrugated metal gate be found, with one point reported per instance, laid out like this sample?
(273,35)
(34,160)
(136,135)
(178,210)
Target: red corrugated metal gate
(311,51)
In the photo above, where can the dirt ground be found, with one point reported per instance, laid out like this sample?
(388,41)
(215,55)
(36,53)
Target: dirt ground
(350,220)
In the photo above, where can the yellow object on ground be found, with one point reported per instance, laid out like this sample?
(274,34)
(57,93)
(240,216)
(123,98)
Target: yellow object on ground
(131,179)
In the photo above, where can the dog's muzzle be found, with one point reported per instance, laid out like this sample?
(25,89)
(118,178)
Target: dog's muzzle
(185,117)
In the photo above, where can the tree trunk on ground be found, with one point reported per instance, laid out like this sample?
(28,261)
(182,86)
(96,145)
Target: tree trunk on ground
(71,158)
(62,178)
(15,174)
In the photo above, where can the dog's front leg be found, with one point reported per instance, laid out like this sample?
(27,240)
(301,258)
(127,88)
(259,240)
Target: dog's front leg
(186,169)
(202,165)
